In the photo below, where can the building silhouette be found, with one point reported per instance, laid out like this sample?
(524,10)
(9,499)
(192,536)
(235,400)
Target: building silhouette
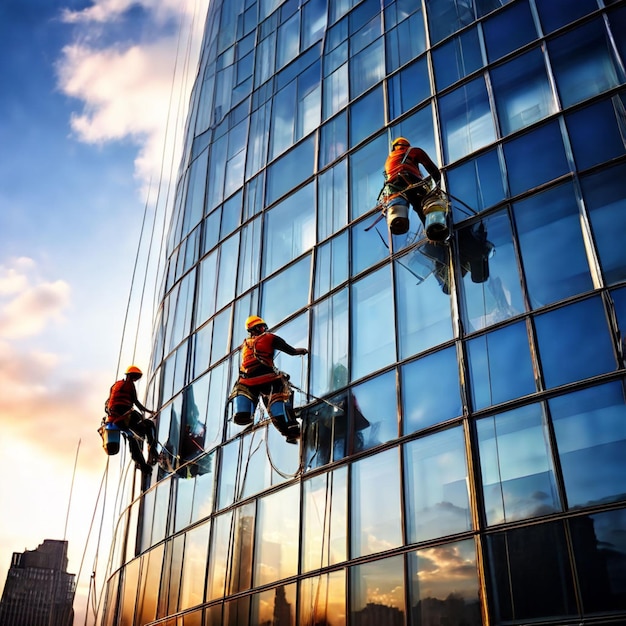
(463,455)
(38,590)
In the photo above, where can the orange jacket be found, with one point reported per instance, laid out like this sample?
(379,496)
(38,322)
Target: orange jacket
(406,161)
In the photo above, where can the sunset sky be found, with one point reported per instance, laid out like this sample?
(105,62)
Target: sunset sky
(93,98)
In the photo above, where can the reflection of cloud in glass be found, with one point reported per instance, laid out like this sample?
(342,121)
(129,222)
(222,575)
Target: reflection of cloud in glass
(447,569)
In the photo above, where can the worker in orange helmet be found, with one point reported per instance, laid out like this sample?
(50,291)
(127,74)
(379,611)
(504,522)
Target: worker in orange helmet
(402,170)
(120,410)
(258,377)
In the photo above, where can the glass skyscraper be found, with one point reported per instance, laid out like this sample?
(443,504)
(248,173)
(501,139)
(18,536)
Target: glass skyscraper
(463,455)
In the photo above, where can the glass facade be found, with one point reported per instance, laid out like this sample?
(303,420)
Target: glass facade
(463,454)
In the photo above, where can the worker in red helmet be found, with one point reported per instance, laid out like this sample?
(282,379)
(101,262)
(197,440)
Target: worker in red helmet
(120,410)
(258,377)
(402,170)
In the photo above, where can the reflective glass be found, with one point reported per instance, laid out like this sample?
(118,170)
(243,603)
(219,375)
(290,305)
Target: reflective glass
(221,335)
(368,248)
(296,333)
(556,13)
(249,254)
(521,590)
(332,200)
(405,42)
(617,20)
(372,334)
(290,170)
(366,165)
(376,523)
(329,347)
(582,62)
(336,94)
(590,429)
(466,120)
(295,281)
(377,593)
(574,342)
(606,119)
(325,520)
(407,88)
(283,119)
(516,465)
(522,91)
(422,300)
(276,550)
(499,297)
(477,183)
(217,171)
(495,375)
(194,202)
(128,599)
(323,599)
(457,58)
(309,101)
(183,496)
(204,487)
(212,230)
(535,158)
(366,68)
(257,139)
(374,412)
(288,41)
(600,555)
(555,267)
(229,462)
(331,264)
(289,229)
(231,215)
(445,17)
(218,390)
(436,486)
(501,38)
(274,606)
(236,612)
(151,568)
(313,22)
(255,473)
(333,139)
(430,391)
(367,115)
(194,567)
(227,273)
(604,194)
(443,585)
(202,348)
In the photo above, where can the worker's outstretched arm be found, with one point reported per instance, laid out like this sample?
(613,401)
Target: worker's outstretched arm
(423,159)
(283,346)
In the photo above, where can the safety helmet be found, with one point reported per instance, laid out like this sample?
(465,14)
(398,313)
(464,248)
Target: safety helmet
(134,370)
(399,141)
(254,320)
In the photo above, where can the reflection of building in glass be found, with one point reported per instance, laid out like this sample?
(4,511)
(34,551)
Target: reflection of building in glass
(38,590)
(463,405)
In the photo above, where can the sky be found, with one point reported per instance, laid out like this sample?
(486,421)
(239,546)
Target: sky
(93,98)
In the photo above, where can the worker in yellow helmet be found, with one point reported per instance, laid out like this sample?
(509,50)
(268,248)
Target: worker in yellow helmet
(120,410)
(402,170)
(259,378)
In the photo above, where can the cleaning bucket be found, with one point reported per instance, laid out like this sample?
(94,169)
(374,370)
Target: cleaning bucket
(436,212)
(110,434)
(398,215)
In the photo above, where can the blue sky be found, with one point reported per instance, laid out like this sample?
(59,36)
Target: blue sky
(84,95)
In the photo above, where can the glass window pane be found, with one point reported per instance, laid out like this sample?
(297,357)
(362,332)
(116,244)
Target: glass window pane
(556,13)
(367,247)
(374,412)
(516,465)
(227,273)
(478,183)
(600,554)
(323,599)
(500,35)
(574,342)
(521,590)
(290,170)
(443,585)
(582,63)
(376,522)
(277,521)
(367,68)
(332,200)
(604,194)
(333,140)
(494,375)
(522,91)
(274,606)
(430,391)
(437,497)
(325,520)
(367,115)
(445,17)
(500,296)
(289,229)
(466,120)
(335,91)
(331,264)
(295,281)
(228,474)
(329,347)
(249,254)
(422,300)
(557,268)
(405,42)
(457,58)
(377,593)
(288,40)
(407,88)
(535,158)
(590,429)
(372,326)
(366,165)
(194,566)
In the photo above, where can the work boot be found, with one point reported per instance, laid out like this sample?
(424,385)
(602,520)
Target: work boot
(293,432)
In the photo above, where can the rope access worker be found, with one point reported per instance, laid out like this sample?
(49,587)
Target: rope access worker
(258,377)
(402,170)
(120,410)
